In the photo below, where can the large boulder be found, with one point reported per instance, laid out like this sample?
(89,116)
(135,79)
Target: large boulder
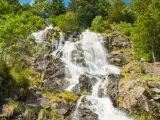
(87,114)
(85,83)
(138,97)
(54,71)
(64,110)
(83,112)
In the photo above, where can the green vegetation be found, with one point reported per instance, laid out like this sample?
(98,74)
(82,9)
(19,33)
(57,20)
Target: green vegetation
(47,113)
(63,97)
(143,117)
(139,22)
(99,25)
(66,22)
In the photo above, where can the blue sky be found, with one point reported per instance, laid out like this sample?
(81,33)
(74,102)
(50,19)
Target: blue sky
(127,0)
(66,1)
(31,1)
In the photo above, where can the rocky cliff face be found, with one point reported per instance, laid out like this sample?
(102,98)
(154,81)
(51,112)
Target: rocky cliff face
(136,90)
(48,100)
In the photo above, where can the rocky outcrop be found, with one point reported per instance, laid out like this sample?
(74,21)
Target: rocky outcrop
(84,86)
(51,35)
(115,41)
(83,112)
(39,101)
(136,90)
(87,114)
(112,88)
(137,97)
(54,72)
(51,67)
(119,47)
(117,58)
(73,36)
(85,83)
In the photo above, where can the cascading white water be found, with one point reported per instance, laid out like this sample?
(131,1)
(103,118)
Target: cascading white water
(88,56)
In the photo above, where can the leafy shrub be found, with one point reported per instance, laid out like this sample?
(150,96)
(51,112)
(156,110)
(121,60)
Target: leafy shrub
(66,22)
(125,28)
(99,24)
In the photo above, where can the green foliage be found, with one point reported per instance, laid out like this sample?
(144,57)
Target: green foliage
(140,6)
(144,117)
(115,14)
(67,22)
(142,68)
(16,24)
(19,26)
(40,7)
(125,28)
(128,14)
(142,36)
(15,104)
(25,77)
(63,97)
(8,7)
(68,96)
(87,10)
(45,8)
(99,25)
(51,114)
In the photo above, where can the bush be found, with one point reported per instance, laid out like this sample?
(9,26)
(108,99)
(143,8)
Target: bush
(66,22)
(99,24)
(125,28)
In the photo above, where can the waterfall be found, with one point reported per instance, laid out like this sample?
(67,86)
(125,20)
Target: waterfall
(88,56)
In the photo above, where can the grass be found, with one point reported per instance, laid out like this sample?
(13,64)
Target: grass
(62,97)
(9,108)
(47,113)
(143,117)
(30,113)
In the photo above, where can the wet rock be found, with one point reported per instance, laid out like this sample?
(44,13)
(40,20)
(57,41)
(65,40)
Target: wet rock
(87,114)
(74,36)
(76,89)
(85,83)
(101,92)
(112,88)
(83,113)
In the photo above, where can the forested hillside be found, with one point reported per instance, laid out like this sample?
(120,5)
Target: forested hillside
(138,22)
